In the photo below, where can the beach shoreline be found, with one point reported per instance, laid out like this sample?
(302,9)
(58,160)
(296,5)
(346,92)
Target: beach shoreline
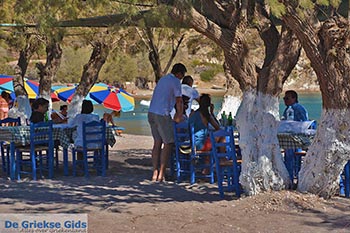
(147,94)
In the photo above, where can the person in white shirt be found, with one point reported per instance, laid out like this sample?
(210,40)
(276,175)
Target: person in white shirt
(86,116)
(188,90)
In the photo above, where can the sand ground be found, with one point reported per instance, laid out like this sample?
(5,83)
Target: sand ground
(125,201)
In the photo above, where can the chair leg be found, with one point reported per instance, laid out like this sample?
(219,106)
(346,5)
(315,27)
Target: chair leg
(74,163)
(86,164)
(103,164)
(33,160)
(347,179)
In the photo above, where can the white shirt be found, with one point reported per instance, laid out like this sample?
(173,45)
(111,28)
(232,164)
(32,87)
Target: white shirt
(77,121)
(190,92)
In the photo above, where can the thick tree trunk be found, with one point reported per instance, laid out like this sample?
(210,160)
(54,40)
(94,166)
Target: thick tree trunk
(23,104)
(327,49)
(262,166)
(90,74)
(328,155)
(48,71)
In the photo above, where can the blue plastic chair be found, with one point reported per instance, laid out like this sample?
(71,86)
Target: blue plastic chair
(227,167)
(5,145)
(93,149)
(190,162)
(31,156)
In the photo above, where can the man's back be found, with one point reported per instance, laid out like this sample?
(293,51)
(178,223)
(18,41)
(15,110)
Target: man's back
(164,95)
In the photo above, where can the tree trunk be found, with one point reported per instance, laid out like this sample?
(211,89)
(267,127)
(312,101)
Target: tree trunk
(328,154)
(262,166)
(48,71)
(327,49)
(90,74)
(23,104)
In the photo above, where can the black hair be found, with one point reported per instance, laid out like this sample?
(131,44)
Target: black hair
(185,101)
(204,104)
(5,95)
(179,68)
(187,80)
(87,107)
(63,107)
(293,94)
(38,102)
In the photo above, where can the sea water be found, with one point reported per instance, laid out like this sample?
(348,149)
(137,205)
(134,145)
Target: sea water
(135,122)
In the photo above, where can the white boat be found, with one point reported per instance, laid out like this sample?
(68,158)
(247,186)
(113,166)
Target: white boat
(145,103)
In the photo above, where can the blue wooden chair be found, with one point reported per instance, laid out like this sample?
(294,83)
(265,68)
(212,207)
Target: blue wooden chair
(183,167)
(30,158)
(190,162)
(227,166)
(93,149)
(344,184)
(5,145)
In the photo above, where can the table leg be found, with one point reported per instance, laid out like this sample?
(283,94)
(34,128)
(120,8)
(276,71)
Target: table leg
(65,161)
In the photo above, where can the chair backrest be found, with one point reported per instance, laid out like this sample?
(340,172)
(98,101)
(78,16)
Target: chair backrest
(41,134)
(94,135)
(10,121)
(223,148)
(182,137)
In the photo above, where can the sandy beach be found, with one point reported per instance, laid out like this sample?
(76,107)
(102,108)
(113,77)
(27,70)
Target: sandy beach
(126,201)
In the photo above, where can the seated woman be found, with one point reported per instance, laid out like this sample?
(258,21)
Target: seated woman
(61,116)
(202,118)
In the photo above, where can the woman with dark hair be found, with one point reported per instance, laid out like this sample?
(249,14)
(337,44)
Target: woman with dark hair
(201,119)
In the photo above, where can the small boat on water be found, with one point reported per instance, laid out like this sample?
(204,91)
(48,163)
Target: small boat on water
(145,103)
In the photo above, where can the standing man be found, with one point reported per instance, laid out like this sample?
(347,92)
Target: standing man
(188,90)
(166,94)
(296,112)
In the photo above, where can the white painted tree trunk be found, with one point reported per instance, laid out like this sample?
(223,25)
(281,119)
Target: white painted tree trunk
(75,106)
(327,155)
(262,163)
(22,109)
(47,95)
(230,104)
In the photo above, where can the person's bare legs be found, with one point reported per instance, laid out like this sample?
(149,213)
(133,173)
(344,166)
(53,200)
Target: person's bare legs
(156,154)
(166,152)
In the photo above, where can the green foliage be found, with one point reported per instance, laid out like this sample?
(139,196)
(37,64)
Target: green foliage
(210,71)
(277,8)
(120,68)
(72,64)
(306,4)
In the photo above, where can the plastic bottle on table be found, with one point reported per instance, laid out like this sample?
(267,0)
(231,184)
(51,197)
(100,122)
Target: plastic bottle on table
(290,113)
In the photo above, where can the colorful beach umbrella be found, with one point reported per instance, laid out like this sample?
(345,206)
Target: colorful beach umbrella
(114,98)
(6,83)
(66,93)
(32,89)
